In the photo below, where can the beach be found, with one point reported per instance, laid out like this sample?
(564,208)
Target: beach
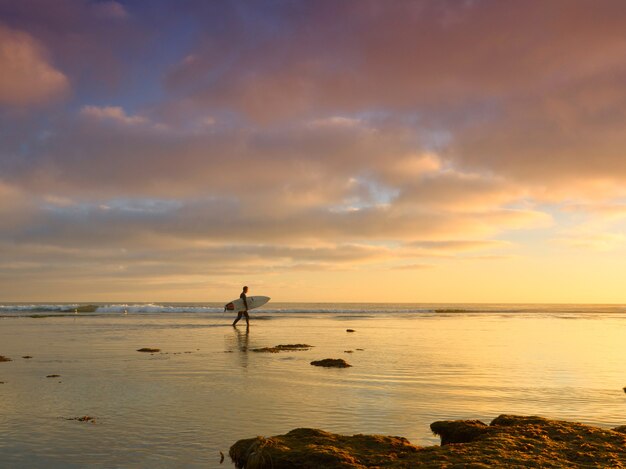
(206,388)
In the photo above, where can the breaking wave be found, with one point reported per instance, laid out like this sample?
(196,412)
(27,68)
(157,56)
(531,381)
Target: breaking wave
(350,310)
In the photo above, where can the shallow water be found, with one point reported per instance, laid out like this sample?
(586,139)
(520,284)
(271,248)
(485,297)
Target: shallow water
(180,409)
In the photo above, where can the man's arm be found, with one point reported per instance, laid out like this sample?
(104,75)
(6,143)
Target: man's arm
(245,300)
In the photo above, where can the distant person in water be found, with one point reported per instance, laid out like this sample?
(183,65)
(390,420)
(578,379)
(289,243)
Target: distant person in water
(240,314)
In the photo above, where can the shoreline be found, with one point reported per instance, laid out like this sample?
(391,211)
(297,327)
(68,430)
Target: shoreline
(508,441)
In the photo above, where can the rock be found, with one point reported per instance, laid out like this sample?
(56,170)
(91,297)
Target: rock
(350,330)
(53,376)
(360,349)
(5,359)
(27,357)
(149,350)
(459,431)
(620,429)
(310,448)
(509,441)
(331,362)
(84,418)
(348,351)
(283,348)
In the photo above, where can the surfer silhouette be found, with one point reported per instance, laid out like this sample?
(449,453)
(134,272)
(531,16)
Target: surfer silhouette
(241,314)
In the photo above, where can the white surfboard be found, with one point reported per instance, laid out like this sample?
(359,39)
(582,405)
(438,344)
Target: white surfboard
(253,302)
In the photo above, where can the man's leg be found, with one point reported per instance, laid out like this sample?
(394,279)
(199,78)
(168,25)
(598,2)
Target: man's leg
(245,313)
(239,315)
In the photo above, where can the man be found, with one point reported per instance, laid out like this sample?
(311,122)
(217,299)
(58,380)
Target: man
(240,314)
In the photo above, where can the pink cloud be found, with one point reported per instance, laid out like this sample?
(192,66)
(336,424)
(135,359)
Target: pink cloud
(110,9)
(111,113)
(27,77)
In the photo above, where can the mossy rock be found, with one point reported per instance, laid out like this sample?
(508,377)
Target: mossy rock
(283,348)
(509,441)
(331,363)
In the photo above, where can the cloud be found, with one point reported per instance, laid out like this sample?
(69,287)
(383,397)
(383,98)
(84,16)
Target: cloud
(17,208)
(412,267)
(111,113)
(307,137)
(110,10)
(605,211)
(541,104)
(461,245)
(335,121)
(27,77)
(603,241)
(404,56)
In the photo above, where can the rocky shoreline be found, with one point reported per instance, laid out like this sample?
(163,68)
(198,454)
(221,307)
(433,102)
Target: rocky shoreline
(508,441)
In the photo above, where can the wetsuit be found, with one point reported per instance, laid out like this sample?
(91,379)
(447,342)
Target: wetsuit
(241,314)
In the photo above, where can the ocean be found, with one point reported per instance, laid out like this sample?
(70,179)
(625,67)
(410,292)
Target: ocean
(412,364)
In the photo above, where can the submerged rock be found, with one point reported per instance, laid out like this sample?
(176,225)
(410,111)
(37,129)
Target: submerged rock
(283,348)
(331,363)
(509,441)
(84,418)
(149,350)
(5,359)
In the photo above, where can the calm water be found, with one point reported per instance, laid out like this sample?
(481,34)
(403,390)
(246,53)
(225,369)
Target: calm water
(180,409)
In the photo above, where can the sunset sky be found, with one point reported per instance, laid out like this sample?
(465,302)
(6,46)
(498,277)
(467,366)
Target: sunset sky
(392,151)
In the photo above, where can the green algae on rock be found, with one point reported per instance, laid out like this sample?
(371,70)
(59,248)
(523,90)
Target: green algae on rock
(509,441)
(283,348)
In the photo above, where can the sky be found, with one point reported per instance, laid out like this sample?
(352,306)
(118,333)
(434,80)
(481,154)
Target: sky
(354,151)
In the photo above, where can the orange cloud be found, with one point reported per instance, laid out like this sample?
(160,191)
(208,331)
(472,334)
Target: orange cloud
(27,76)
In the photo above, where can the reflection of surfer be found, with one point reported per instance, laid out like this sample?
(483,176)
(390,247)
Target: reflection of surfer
(242,340)
(241,314)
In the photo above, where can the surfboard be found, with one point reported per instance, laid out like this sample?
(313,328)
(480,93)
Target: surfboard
(253,303)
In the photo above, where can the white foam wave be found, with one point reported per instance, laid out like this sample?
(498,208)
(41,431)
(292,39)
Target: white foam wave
(306,309)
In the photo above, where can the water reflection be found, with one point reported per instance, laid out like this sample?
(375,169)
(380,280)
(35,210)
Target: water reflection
(241,341)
